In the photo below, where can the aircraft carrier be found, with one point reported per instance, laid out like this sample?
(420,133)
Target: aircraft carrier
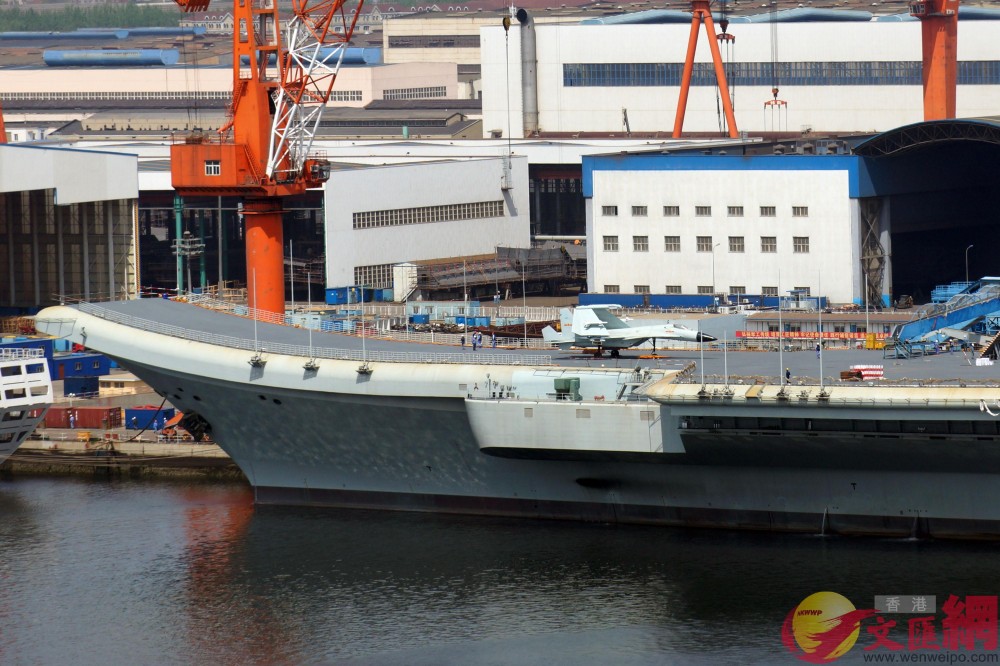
(708,439)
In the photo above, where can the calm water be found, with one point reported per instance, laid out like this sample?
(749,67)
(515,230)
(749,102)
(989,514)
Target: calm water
(177,573)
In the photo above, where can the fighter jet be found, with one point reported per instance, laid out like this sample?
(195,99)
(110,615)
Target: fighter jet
(594,327)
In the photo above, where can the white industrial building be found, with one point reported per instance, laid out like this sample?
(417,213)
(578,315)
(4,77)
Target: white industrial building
(377,217)
(716,225)
(67,221)
(356,85)
(834,76)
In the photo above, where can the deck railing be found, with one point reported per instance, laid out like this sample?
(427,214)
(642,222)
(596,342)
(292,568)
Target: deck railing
(18,354)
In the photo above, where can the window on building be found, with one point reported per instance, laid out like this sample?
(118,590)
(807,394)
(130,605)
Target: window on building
(213,168)
(415,93)
(704,243)
(704,289)
(703,211)
(640,211)
(640,243)
(609,210)
(671,243)
(800,211)
(377,276)
(768,291)
(804,292)
(671,211)
(734,211)
(768,244)
(478,210)
(800,244)
(768,211)
(738,290)
(611,289)
(672,289)
(736,243)
(611,243)
(838,328)
(641,289)
(78,366)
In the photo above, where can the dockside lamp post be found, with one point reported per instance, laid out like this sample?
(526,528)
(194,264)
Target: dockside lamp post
(714,290)
(967,263)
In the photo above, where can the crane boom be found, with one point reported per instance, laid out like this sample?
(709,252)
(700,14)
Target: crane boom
(263,152)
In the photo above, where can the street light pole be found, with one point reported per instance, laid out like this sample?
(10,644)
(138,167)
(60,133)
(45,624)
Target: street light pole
(967,263)
(524,305)
(714,290)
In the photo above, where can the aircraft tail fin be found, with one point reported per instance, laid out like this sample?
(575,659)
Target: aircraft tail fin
(561,340)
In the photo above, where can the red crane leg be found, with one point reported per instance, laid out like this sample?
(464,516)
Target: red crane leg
(265,255)
(940,50)
(682,99)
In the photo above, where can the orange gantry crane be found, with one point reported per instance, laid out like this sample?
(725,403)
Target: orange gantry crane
(939,35)
(701,13)
(262,154)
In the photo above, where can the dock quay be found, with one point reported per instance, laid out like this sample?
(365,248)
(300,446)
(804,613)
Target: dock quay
(114,449)
(63,452)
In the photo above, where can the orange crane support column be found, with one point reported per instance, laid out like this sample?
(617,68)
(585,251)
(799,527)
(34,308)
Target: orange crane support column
(702,13)
(939,34)
(265,254)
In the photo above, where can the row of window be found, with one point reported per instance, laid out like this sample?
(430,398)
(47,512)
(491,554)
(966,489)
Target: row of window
(703,290)
(415,93)
(707,290)
(119,94)
(399,216)
(881,73)
(345,96)
(768,244)
(705,211)
(434,41)
(378,276)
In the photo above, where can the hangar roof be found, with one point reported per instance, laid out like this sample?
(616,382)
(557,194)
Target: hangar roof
(922,134)
(75,175)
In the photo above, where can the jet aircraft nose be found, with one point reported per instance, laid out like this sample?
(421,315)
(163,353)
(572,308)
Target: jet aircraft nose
(705,337)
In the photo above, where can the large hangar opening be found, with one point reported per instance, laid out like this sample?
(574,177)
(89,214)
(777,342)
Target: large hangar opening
(937,205)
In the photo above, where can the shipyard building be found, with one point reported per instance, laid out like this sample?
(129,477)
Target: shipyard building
(67,221)
(835,72)
(663,221)
(866,222)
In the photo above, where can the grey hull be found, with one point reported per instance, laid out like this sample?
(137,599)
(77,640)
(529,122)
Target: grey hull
(428,437)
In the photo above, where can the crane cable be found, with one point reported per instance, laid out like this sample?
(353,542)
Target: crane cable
(776,105)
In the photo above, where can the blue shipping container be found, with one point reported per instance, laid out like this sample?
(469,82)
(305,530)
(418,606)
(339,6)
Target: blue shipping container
(81,386)
(147,417)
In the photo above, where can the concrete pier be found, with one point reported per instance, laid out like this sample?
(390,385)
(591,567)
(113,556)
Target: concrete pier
(53,451)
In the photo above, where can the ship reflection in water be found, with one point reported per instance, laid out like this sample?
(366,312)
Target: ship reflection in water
(190,573)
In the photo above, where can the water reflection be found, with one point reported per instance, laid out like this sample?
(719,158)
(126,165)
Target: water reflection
(186,573)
